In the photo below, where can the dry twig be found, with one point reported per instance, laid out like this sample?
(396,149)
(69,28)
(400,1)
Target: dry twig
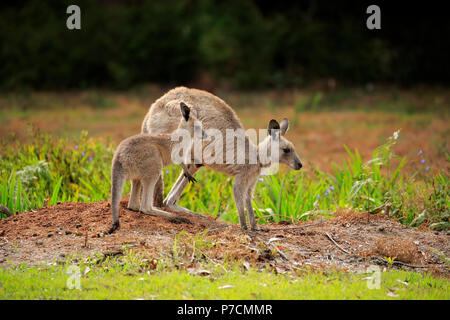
(281,253)
(297,227)
(86,240)
(336,244)
(413,266)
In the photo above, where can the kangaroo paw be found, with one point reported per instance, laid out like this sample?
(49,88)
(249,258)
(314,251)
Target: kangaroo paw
(114,227)
(190,178)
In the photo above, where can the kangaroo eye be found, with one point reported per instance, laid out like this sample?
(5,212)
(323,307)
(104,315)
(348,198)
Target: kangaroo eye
(286,150)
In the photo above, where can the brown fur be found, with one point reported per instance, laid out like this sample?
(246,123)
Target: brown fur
(141,158)
(214,113)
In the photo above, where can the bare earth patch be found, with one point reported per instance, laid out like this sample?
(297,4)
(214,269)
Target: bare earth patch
(350,241)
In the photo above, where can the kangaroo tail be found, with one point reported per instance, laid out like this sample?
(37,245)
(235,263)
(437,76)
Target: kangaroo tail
(117,183)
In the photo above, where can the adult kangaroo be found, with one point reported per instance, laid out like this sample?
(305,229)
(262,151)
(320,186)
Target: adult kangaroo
(214,113)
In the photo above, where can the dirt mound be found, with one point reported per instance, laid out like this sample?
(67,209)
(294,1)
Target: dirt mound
(350,241)
(401,249)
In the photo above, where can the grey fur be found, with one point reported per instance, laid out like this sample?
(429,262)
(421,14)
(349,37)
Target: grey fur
(141,158)
(213,112)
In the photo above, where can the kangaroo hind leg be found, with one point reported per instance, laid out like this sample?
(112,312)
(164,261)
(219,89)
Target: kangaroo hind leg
(148,187)
(117,183)
(176,191)
(135,197)
(239,194)
(248,205)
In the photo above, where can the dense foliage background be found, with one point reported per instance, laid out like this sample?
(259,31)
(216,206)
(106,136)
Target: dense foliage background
(246,44)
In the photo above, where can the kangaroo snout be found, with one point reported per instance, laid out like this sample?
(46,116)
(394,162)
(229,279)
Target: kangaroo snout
(296,165)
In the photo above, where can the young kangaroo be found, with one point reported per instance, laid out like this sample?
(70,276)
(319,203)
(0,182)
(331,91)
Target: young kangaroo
(214,113)
(141,158)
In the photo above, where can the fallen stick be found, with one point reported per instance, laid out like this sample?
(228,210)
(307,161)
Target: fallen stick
(86,240)
(336,244)
(410,265)
(297,227)
(281,253)
(403,264)
(193,252)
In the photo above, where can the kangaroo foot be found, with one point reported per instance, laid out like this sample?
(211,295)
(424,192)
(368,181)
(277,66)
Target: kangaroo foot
(114,227)
(178,209)
(168,216)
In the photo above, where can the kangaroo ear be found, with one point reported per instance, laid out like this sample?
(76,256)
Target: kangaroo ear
(273,126)
(185,111)
(284,126)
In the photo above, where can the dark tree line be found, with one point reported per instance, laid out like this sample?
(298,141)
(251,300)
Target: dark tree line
(250,44)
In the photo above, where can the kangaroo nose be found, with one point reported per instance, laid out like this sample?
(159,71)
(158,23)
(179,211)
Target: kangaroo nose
(299,165)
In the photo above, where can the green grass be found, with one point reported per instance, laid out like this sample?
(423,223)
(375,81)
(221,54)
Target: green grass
(51,170)
(133,277)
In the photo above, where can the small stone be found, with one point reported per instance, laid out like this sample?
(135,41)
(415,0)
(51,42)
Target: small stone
(78,225)
(50,235)
(68,232)
(436,233)
(39,242)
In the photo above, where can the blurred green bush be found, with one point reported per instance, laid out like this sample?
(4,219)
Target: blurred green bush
(250,44)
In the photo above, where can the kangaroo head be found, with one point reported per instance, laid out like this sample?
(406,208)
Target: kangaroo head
(286,152)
